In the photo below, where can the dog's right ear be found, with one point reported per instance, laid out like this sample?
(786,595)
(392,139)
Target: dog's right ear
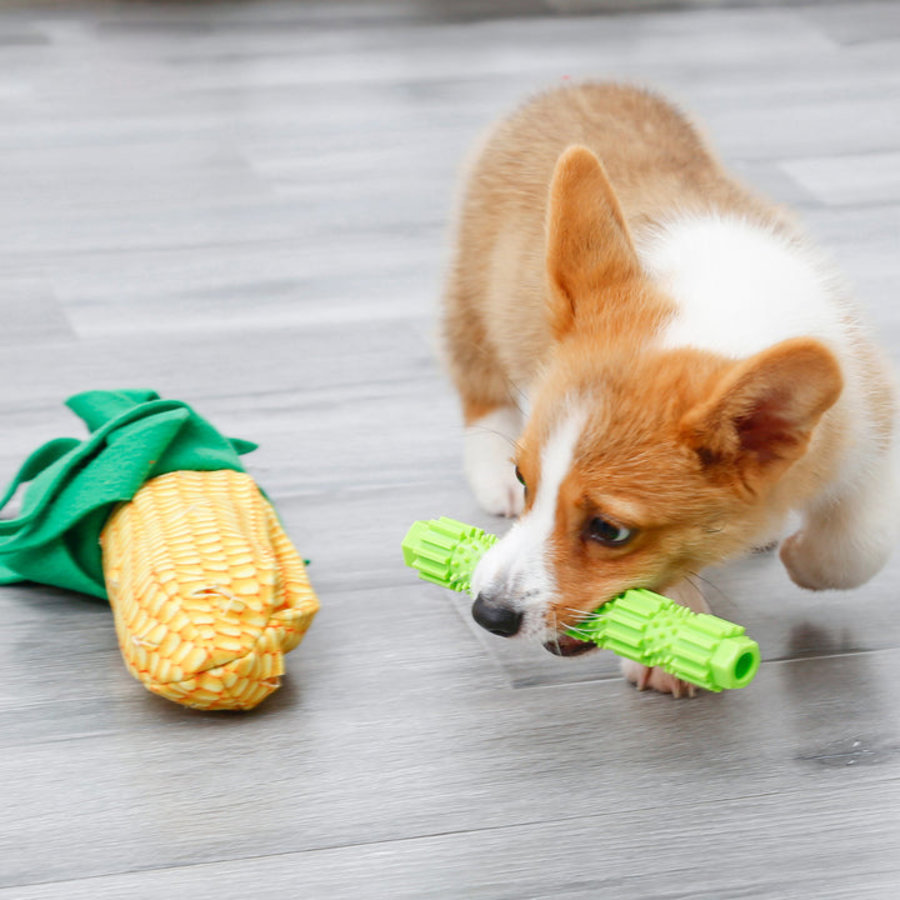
(589,247)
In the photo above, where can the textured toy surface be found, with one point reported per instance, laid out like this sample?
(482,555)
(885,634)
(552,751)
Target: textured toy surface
(655,631)
(207,590)
(639,624)
(155,511)
(445,551)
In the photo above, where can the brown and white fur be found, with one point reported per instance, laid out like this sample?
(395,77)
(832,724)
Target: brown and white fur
(666,361)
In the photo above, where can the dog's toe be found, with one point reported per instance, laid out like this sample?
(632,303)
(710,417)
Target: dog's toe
(654,678)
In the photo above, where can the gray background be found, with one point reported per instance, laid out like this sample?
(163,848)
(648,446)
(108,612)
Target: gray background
(246,206)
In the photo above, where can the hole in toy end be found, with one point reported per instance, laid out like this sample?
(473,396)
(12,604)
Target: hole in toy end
(744,666)
(735,662)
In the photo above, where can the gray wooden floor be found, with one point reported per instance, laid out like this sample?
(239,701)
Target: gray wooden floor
(245,206)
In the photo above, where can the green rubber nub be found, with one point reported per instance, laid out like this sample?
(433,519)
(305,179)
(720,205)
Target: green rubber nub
(655,631)
(445,551)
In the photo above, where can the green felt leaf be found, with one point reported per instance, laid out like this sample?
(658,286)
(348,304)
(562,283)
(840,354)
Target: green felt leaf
(73,486)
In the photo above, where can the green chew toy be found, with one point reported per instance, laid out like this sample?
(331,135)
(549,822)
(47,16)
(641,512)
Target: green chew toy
(639,624)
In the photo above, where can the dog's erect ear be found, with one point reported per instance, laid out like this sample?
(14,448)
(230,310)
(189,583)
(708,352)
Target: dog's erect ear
(761,414)
(588,243)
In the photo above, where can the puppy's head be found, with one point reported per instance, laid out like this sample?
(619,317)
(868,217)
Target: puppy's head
(641,464)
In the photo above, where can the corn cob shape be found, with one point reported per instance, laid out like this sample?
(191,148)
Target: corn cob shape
(207,591)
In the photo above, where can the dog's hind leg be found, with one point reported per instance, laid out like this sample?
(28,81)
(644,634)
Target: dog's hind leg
(847,536)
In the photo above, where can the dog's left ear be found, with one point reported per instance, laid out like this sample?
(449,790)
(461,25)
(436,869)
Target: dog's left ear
(761,414)
(589,247)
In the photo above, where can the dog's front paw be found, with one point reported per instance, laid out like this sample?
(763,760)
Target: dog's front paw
(656,679)
(498,495)
(491,473)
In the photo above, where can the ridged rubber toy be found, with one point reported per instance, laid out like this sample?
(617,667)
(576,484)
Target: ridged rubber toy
(640,625)
(445,551)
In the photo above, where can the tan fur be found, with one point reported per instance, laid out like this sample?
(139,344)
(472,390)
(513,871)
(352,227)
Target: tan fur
(689,448)
(495,310)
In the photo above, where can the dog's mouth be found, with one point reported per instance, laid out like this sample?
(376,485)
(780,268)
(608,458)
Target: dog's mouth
(566,645)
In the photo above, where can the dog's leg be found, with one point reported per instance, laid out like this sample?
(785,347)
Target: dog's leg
(847,537)
(492,418)
(643,677)
(488,459)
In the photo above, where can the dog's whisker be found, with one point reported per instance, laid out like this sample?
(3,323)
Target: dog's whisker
(556,634)
(579,633)
(483,429)
(705,581)
(516,389)
(579,623)
(691,579)
(584,613)
(586,616)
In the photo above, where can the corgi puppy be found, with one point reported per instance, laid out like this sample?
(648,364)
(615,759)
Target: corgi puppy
(655,370)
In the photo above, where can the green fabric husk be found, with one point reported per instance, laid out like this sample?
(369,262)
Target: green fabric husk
(73,485)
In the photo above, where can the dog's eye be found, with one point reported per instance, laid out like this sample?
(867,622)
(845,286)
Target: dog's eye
(519,477)
(609,534)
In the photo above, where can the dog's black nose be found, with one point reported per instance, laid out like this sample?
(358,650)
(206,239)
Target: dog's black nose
(495,616)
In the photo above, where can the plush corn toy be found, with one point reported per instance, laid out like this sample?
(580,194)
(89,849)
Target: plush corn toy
(155,512)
